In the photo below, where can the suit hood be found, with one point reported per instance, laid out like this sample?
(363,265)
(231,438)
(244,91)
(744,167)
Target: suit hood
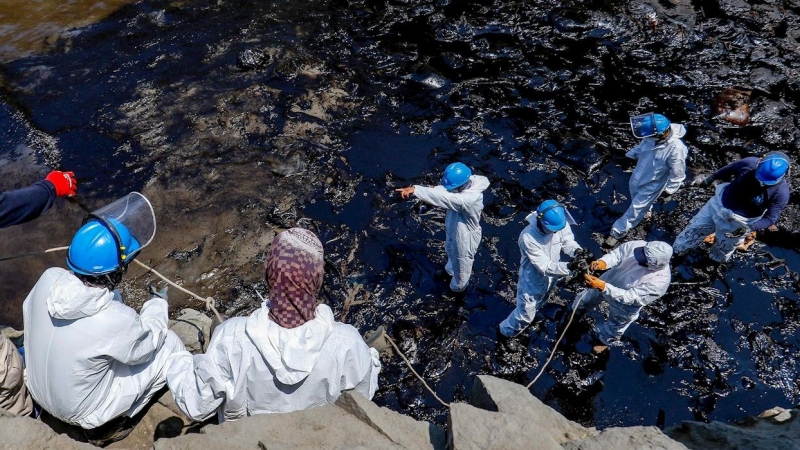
(678,131)
(291,352)
(477,183)
(70,299)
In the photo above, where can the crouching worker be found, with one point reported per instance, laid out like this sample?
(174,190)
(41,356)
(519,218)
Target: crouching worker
(90,358)
(752,199)
(637,275)
(289,355)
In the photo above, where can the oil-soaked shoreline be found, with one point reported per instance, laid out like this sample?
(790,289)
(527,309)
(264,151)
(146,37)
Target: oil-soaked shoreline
(239,117)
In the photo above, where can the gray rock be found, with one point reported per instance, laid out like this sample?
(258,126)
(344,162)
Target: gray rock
(771,412)
(168,401)
(22,433)
(194,329)
(400,429)
(157,423)
(471,428)
(326,427)
(644,438)
(523,421)
(753,434)
(514,399)
(784,416)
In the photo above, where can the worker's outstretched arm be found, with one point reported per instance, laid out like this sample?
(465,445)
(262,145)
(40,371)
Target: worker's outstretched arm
(23,205)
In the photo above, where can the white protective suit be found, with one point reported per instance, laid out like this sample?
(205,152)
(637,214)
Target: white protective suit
(462,224)
(89,357)
(255,366)
(661,166)
(629,286)
(539,270)
(714,218)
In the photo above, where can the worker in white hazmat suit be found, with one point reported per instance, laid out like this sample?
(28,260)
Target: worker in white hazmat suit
(637,274)
(461,193)
(541,244)
(289,355)
(90,358)
(660,167)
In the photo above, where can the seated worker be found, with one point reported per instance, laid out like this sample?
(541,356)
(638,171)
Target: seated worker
(288,355)
(637,275)
(16,207)
(90,358)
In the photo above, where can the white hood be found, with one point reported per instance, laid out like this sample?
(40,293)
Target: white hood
(658,254)
(678,131)
(291,352)
(70,299)
(477,183)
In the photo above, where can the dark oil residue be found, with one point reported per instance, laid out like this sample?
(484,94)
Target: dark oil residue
(534,95)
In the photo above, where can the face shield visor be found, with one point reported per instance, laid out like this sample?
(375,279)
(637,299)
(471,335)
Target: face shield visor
(135,213)
(570,220)
(644,125)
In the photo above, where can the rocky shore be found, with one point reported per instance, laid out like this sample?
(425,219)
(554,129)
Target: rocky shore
(499,414)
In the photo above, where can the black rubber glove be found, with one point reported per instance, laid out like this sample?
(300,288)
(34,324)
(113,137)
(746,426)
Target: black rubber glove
(578,264)
(740,233)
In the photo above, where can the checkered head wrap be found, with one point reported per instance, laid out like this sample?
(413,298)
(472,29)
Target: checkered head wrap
(294,272)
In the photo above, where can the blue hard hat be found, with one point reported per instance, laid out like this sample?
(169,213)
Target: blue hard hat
(95,250)
(772,168)
(662,123)
(455,175)
(552,215)
(647,125)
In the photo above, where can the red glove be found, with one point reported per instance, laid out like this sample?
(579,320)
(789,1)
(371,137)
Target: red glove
(64,183)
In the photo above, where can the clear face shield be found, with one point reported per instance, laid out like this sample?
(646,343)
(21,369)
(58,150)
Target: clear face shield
(643,125)
(570,220)
(135,213)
